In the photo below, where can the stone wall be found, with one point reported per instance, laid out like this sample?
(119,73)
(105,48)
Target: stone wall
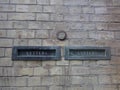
(36,22)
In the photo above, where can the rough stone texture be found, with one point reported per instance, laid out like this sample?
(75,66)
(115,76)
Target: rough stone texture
(36,23)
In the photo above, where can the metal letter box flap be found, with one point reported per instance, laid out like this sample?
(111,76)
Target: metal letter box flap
(36,53)
(87,53)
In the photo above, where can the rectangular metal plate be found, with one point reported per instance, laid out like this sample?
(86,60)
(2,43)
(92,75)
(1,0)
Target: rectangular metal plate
(36,53)
(87,53)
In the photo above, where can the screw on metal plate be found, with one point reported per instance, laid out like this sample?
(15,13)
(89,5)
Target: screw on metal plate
(61,35)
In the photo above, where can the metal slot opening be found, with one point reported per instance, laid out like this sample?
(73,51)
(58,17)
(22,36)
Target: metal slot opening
(36,53)
(33,52)
(87,53)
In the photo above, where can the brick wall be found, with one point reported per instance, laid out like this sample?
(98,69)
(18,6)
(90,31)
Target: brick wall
(36,22)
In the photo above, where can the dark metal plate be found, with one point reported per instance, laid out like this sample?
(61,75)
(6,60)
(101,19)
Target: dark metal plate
(87,53)
(36,53)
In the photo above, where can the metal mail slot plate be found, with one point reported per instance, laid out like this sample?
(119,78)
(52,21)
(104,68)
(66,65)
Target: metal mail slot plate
(36,53)
(87,53)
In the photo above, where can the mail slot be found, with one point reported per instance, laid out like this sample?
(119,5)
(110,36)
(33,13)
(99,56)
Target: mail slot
(36,53)
(87,53)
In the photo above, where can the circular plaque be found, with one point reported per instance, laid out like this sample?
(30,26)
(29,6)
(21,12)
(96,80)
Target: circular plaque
(61,35)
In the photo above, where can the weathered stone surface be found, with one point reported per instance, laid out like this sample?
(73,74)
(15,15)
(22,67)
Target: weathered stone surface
(5,24)
(79,71)
(4,1)
(20,34)
(28,8)
(5,62)
(6,42)
(76,2)
(43,2)
(20,42)
(23,2)
(44,17)
(40,88)
(47,80)
(56,71)
(7,8)
(40,71)
(101,2)
(36,23)
(36,80)
(42,34)
(21,16)
(35,42)
(2,51)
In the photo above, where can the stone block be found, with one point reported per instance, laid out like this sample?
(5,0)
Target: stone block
(20,42)
(24,88)
(115,79)
(102,26)
(103,70)
(34,64)
(6,42)
(34,81)
(116,2)
(75,10)
(56,2)
(76,88)
(54,42)
(26,71)
(28,8)
(2,52)
(40,71)
(63,62)
(76,2)
(42,34)
(21,16)
(77,80)
(20,24)
(20,34)
(88,10)
(48,25)
(76,18)
(114,26)
(43,17)
(56,17)
(20,81)
(47,80)
(40,88)
(3,16)
(56,71)
(75,26)
(90,80)
(105,87)
(49,9)
(12,81)
(101,35)
(6,24)
(34,25)
(56,88)
(79,70)
(8,71)
(4,1)
(48,64)
(43,2)
(88,26)
(35,42)
(7,8)
(19,63)
(74,63)
(3,33)
(76,34)
(23,1)
(101,2)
